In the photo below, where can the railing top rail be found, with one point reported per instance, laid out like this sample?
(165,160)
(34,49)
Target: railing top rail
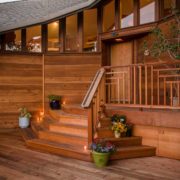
(144,64)
(92,89)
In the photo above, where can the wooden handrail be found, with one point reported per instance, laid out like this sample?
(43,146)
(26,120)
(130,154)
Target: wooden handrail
(93,88)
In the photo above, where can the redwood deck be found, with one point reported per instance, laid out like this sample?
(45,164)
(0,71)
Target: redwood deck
(18,162)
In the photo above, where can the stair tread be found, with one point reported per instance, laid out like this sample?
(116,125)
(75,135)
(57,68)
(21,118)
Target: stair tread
(134,148)
(62,113)
(60,146)
(78,106)
(69,125)
(63,134)
(27,134)
(123,139)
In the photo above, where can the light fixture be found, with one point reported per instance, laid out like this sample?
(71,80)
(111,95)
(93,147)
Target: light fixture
(118,40)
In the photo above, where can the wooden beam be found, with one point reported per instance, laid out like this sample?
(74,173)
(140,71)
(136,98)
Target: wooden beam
(157,10)
(62,34)
(80,32)
(23,40)
(44,37)
(117,14)
(136,12)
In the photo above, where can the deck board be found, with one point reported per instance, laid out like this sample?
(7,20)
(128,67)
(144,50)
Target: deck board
(19,162)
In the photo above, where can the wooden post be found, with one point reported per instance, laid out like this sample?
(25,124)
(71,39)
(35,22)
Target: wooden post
(158,87)
(171,93)
(134,84)
(164,91)
(146,86)
(43,84)
(90,127)
(152,88)
(140,83)
(123,81)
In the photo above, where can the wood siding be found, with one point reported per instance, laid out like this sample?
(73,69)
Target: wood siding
(20,85)
(70,75)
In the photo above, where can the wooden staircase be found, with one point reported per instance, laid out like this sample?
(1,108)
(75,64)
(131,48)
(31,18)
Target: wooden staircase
(65,132)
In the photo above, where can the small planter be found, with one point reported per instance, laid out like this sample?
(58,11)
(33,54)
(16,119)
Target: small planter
(100,159)
(117,134)
(55,104)
(23,122)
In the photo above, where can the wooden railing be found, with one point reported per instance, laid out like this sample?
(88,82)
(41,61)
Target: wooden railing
(144,85)
(136,85)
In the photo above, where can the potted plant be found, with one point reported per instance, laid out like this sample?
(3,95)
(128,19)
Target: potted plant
(101,151)
(118,129)
(24,117)
(54,101)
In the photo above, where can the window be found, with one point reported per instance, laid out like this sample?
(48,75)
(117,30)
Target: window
(147,11)
(90,30)
(71,33)
(13,41)
(53,36)
(33,39)
(109,17)
(126,13)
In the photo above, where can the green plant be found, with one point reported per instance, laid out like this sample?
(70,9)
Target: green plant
(118,118)
(102,146)
(119,127)
(162,42)
(54,97)
(24,113)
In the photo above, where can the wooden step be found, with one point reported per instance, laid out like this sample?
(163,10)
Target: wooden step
(105,133)
(133,152)
(27,134)
(125,141)
(67,118)
(76,130)
(105,122)
(60,149)
(75,109)
(63,138)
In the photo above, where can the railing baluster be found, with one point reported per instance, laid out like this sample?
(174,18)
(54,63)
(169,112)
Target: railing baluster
(152,88)
(140,85)
(123,81)
(164,91)
(118,89)
(129,85)
(146,87)
(178,92)
(171,93)
(158,87)
(134,84)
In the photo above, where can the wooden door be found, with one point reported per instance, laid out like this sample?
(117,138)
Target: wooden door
(121,55)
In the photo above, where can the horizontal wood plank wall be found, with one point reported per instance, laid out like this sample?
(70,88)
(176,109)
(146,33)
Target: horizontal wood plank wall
(160,129)
(20,85)
(70,75)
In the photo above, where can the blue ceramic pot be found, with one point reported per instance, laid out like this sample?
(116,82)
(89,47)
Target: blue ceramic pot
(55,104)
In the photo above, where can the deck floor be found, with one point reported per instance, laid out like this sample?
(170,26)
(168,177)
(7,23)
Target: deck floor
(18,162)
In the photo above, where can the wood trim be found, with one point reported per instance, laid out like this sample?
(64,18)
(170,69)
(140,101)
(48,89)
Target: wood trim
(90,127)
(136,12)
(23,40)
(117,16)
(99,26)
(80,31)
(157,10)
(43,84)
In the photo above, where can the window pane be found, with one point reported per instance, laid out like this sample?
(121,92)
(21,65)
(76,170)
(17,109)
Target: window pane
(126,13)
(33,39)
(147,11)
(13,41)
(109,17)
(90,30)
(53,36)
(71,33)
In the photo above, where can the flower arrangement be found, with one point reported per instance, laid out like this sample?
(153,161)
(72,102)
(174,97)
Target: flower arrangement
(119,127)
(118,118)
(24,113)
(102,146)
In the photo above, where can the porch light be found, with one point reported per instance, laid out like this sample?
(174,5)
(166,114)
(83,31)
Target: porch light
(118,40)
